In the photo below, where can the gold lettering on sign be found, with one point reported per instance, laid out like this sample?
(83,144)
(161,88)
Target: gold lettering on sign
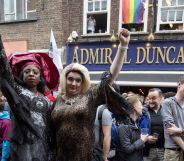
(108,54)
(93,57)
(168,53)
(149,56)
(143,55)
(180,56)
(75,56)
(126,61)
(139,53)
(84,52)
(101,55)
(159,53)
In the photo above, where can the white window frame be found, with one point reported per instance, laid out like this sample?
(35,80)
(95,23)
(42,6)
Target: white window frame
(145,17)
(96,12)
(175,8)
(24,9)
(10,13)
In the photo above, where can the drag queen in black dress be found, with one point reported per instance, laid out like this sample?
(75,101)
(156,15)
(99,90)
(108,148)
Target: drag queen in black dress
(24,85)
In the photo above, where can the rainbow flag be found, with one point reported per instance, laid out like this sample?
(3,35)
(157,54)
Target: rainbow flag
(132,11)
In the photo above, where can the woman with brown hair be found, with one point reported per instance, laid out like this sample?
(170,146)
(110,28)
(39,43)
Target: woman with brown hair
(131,141)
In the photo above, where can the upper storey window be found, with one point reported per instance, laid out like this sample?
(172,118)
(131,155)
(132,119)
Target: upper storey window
(133,15)
(17,10)
(96,16)
(170,15)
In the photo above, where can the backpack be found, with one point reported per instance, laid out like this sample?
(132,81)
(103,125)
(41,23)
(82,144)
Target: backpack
(114,128)
(114,132)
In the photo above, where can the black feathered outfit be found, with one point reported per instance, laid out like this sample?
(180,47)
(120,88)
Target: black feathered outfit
(31,137)
(74,119)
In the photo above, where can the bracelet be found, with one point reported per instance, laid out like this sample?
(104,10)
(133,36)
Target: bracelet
(122,47)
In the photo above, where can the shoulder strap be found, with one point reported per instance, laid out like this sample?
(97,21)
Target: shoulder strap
(100,112)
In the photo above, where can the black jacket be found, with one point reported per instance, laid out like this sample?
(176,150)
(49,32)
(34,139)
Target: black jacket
(130,145)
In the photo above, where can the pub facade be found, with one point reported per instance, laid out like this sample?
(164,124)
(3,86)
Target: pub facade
(155,55)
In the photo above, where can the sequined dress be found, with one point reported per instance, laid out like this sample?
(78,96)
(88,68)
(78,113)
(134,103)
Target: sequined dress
(30,139)
(74,120)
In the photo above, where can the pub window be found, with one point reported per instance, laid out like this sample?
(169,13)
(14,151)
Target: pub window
(134,15)
(17,10)
(170,15)
(96,16)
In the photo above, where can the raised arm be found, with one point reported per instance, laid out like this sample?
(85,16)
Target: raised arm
(107,94)
(124,38)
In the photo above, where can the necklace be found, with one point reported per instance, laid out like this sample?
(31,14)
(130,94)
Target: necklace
(69,101)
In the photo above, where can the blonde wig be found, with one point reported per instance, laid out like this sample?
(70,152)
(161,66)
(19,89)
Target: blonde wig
(78,68)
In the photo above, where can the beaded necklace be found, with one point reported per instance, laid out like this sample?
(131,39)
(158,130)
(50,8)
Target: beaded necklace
(69,101)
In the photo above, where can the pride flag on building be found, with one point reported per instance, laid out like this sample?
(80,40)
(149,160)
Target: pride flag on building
(132,11)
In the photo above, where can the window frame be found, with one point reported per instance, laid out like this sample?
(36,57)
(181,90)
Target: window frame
(14,13)
(28,11)
(145,18)
(85,9)
(168,8)
(24,12)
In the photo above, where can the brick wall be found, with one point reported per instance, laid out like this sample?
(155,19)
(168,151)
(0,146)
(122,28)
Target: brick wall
(65,16)
(37,33)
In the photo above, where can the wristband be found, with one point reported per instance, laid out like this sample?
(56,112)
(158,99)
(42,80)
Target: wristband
(122,47)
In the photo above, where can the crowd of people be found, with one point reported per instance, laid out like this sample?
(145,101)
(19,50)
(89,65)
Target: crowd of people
(77,125)
(154,131)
